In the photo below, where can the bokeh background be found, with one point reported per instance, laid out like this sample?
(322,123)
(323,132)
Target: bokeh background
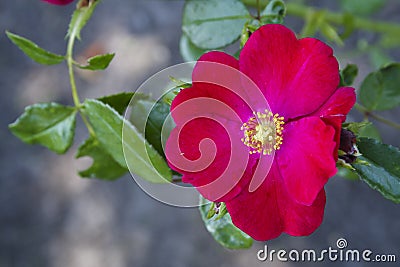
(51,217)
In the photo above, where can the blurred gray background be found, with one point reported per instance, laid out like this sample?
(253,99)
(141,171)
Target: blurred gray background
(51,217)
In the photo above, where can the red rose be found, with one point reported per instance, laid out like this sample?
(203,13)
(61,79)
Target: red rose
(266,149)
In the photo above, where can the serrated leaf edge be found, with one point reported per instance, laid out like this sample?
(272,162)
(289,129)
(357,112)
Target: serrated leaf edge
(119,136)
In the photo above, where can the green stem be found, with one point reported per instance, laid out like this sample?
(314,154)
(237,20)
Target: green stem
(338,18)
(258,9)
(368,113)
(70,62)
(303,12)
(75,96)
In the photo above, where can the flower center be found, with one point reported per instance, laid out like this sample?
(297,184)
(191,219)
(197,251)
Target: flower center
(263,132)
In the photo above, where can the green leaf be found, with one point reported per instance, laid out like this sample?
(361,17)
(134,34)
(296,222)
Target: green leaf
(380,90)
(274,12)
(99,62)
(382,171)
(141,158)
(104,166)
(50,124)
(189,51)
(153,125)
(33,51)
(348,75)
(119,101)
(214,23)
(365,7)
(80,18)
(223,230)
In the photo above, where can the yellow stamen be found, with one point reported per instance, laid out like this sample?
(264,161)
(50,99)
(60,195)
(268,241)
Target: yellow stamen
(263,132)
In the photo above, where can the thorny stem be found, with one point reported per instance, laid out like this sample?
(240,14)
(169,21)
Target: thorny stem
(368,113)
(70,63)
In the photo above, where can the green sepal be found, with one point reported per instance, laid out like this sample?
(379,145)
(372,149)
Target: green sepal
(274,12)
(35,52)
(179,83)
(222,211)
(355,127)
(211,211)
(49,124)
(249,27)
(363,129)
(171,94)
(218,209)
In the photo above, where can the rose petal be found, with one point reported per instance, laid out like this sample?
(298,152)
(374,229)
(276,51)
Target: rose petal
(338,105)
(296,76)
(334,111)
(218,172)
(218,81)
(211,110)
(306,158)
(267,212)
